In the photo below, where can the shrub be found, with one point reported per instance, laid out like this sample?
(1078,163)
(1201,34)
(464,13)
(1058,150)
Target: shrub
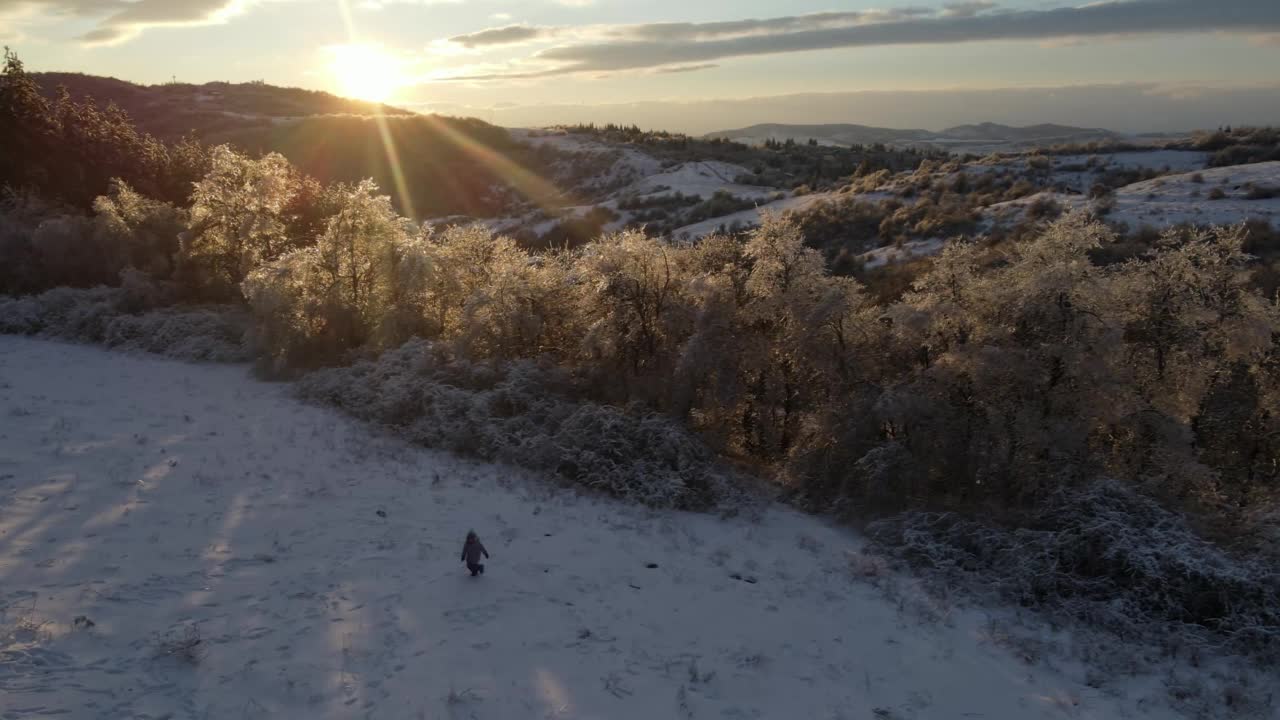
(213,334)
(1105,554)
(1216,194)
(576,231)
(1039,162)
(74,314)
(1261,192)
(101,316)
(1044,208)
(652,201)
(720,203)
(527,415)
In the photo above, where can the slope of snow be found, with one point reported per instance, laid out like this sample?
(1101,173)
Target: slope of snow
(1173,160)
(316,562)
(1065,174)
(910,250)
(630,165)
(751,216)
(1176,199)
(699,178)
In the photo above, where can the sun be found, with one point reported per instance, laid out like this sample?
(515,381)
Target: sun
(365,72)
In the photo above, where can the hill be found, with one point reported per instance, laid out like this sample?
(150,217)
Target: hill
(959,137)
(836,134)
(1044,133)
(431,165)
(172,110)
(254,556)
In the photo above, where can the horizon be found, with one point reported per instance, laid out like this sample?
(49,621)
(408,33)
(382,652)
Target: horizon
(1129,66)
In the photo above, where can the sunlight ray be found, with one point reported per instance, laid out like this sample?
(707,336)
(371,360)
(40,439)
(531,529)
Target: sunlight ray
(532,186)
(388,141)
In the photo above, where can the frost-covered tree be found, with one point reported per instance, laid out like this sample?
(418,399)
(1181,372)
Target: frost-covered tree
(788,309)
(354,286)
(237,218)
(630,287)
(524,310)
(146,232)
(468,258)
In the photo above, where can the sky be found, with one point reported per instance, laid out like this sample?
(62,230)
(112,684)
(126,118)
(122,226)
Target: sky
(1135,65)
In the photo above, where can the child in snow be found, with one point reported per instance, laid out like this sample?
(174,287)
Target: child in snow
(472,549)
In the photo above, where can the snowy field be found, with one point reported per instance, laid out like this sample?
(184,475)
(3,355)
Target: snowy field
(181,541)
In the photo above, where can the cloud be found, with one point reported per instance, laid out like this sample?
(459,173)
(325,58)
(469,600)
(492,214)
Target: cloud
(508,35)
(658,45)
(121,20)
(672,31)
(967,9)
(686,68)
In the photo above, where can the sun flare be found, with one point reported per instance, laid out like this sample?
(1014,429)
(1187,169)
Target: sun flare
(365,72)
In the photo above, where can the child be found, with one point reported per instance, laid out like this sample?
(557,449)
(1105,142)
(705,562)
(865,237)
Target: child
(471,552)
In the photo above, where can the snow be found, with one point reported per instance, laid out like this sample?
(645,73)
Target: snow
(700,178)
(1172,199)
(751,216)
(910,250)
(631,163)
(1174,160)
(1163,161)
(317,561)
(1177,199)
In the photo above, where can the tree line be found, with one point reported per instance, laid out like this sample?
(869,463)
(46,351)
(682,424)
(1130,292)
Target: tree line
(999,377)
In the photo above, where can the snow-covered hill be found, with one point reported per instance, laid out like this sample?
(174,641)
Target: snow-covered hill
(751,216)
(988,136)
(181,541)
(1215,196)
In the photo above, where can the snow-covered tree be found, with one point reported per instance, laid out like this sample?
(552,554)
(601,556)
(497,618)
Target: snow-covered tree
(237,218)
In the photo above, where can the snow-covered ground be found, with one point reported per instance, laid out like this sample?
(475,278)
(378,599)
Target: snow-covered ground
(631,164)
(703,178)
(1173,160)
(751,216)
(910,250)
(1066,172)
(316,561)
(1176,199)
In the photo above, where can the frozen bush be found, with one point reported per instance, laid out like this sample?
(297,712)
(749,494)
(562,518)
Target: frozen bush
(1108,555)
(100,315)
(201,334)
(66,313)
(524,414)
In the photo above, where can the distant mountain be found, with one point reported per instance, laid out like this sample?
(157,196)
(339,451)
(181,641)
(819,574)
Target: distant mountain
(967,137)
(172,110)
(995,132)
(835,134)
